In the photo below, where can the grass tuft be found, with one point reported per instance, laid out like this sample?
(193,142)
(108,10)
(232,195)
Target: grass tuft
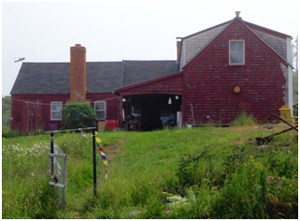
(244,120)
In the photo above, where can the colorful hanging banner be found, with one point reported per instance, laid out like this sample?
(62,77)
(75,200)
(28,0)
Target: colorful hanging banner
(104,160)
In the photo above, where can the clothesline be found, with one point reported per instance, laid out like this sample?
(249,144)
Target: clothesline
(78,129)
(31,102)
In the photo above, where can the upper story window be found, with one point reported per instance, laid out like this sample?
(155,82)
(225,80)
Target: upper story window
(56,108)
(100,109)
(237,52)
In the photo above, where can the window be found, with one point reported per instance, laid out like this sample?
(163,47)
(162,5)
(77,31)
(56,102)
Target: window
(100,109)
(56,111)
(237,52)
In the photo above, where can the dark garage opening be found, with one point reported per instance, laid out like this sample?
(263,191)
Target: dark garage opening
(149,112)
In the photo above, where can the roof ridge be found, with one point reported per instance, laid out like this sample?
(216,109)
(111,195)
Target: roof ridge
(146,60)
(207,29)
(48,62)
(67,62)
(267,29)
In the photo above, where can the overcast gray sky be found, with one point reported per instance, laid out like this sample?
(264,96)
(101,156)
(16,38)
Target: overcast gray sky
(121,30)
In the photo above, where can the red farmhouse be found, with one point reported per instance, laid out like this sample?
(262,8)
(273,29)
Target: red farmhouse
(219,72)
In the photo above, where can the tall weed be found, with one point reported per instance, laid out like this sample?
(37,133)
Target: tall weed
(244,120)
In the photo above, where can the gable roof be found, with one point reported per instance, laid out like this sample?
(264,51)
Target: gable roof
(273,39)
(101,77)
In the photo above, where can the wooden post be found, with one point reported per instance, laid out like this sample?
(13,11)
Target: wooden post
(52,151)
(121,112)
(94,163)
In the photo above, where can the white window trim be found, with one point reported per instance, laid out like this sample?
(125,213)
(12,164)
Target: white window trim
(105,109)
(55,102)
(229,52)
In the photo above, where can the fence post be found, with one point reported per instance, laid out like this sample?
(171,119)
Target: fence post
(94,163)
(52,151)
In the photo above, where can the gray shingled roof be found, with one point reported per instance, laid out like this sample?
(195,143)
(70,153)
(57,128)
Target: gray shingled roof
(43,78)
(140,71)
(102,77)
(54,78)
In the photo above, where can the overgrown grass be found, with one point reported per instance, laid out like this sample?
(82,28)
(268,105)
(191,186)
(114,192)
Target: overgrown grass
(216,169)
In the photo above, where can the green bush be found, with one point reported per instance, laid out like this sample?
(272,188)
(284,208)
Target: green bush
(78,115)
(295,109)
(6,108)
(7,133)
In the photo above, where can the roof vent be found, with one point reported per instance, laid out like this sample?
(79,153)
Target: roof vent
(237,13)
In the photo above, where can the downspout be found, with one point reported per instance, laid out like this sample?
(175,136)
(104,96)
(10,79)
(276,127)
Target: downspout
(290,74)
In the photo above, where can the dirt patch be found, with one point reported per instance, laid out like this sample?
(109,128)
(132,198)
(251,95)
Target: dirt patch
(236,142)
(112,151)
(243,129)
(270,127)
(111,156)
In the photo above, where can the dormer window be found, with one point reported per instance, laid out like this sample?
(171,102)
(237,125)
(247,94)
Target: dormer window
(236,52)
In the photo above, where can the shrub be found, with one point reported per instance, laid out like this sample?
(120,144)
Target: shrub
(7,133)
(295,110)
(244,119)
(78,115)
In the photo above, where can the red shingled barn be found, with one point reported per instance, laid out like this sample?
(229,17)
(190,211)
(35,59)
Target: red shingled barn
(219,72)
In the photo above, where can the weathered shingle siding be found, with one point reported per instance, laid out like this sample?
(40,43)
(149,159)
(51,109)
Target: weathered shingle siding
(112,103)
(193,45)
(277,44)
(30,112)
(35,113)
(210,81)
(172,85)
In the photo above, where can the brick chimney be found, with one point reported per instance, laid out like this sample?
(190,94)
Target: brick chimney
(178,43)
(78,74)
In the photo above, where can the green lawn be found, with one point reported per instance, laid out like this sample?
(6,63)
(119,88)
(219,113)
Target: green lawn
(216,172)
